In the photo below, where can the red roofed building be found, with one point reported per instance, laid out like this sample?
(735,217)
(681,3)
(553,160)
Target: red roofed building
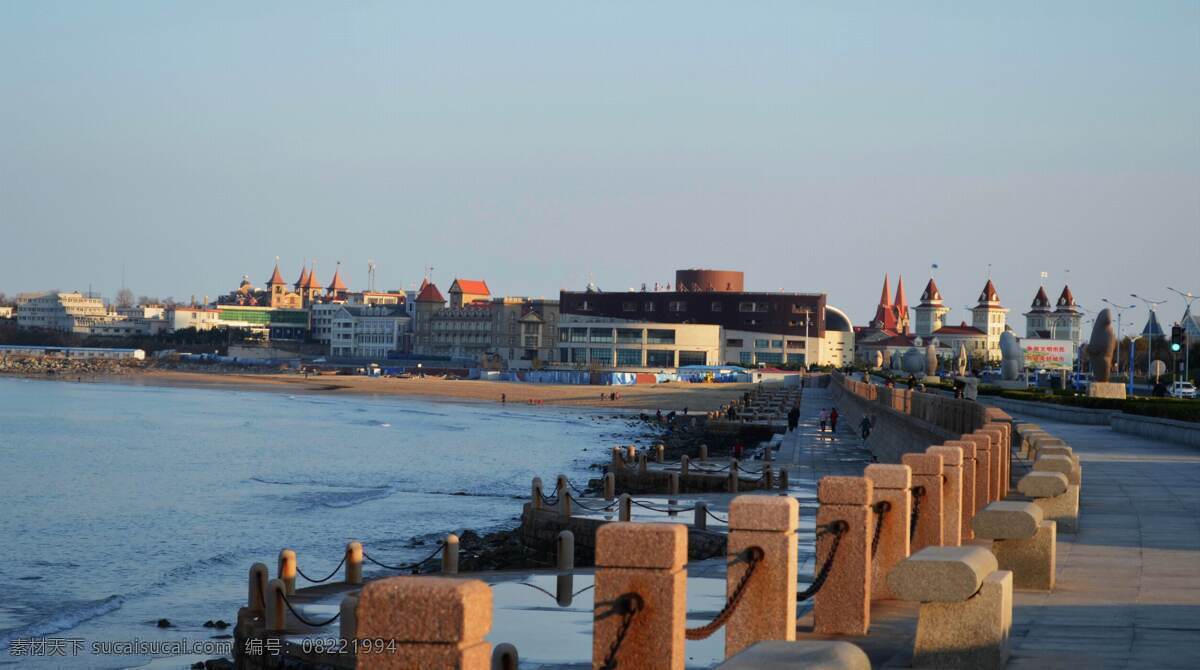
(931,313)
(466,291)
(990,318)
(337,288)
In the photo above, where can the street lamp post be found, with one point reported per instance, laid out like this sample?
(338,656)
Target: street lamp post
(1132,349)
(1120,313)
(1149,336)
(1187,339)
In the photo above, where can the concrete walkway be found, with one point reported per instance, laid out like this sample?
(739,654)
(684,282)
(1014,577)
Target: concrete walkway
(1128,584)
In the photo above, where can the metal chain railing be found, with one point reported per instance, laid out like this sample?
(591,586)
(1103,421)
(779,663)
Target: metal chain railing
(607,508)
(327,577)
(304,621)
(703,632)
(715,517)
(407,566)
(881,509)
(918,492)
(661,510)
(838,528)
(626,606)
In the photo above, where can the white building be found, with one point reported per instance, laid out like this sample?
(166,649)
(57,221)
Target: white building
(68,312)
(1064,323)
(990,317)
(200,318)
(7,312)
(367,331)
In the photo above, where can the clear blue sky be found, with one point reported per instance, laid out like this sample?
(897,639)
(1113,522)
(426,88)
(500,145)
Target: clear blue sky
(814,145)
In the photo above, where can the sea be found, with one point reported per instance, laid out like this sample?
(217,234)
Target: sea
(123,504)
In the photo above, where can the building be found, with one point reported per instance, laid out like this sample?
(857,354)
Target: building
(525,331)
(68,312)
(1191,324)
(990,317)
(463,292)
(278,324)
(35,351)
(7,311)
(200,318)
(463,332)
(752,327)
(367,331)
(1063,323)
(891,316)
(931,312)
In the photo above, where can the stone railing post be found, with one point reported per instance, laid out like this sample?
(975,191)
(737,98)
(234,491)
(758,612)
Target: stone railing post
(983,468)
(562,491)
(625,507)
(768,477)
(891,484)
(658,453)
(275,618)
(435,622)
(618,459)
(968,486)
(927,474)
(450,555)
(354,562)
(732,486)
(684,464)
(631,452)
(700,518)
(287,570)
(995,454)
(768,607)
(536,493)
(610,486)
(843,605)
(673,483)
(642,566)
(783,479)
(952,493)
(703,453)
(257,587)
(1002,436)
(643,468)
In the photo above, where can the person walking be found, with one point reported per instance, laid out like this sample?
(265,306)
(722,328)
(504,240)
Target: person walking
(833,417)
(824,417)
(865,427)
(793,418)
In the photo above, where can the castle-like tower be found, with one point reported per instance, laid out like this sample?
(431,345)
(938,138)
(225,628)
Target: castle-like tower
(891,315)
(990,317)
(931,313)
(1038,318)
(1070,318)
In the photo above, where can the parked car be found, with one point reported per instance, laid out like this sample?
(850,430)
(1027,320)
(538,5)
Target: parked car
(1183,390)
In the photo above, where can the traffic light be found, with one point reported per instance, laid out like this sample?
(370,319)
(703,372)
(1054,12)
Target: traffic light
(1177,336)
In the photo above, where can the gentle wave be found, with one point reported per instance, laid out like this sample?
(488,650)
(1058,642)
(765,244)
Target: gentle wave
(63,620)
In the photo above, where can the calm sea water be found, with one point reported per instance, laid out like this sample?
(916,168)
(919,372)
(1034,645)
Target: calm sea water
(125,504)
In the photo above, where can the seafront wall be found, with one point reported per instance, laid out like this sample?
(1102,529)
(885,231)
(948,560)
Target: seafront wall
(903,421)
(1168,430)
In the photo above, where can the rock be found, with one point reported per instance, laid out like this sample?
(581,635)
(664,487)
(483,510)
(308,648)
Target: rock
(221,624)
(209,624)
(164,623)
(1101,346)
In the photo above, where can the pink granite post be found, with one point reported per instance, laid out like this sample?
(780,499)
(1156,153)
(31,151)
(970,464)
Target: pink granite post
(649,561)
(998,486)
(891,484)
(952,493)
(983,468)
(927,474)
(843,605)
(968,486)
(435,622)
(768,607)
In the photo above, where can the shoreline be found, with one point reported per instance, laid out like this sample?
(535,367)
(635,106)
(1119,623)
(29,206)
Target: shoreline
(667,397)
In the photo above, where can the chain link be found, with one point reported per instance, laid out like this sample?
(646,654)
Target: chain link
(304,621)
(407,566)
(918,492)
(838,528)
(627,606)
(705,631)
(327,577)
(881,508)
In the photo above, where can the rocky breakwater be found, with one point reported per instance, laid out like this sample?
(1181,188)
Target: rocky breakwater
(30,366)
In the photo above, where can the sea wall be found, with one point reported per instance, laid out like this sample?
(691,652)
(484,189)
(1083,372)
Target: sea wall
(904,421)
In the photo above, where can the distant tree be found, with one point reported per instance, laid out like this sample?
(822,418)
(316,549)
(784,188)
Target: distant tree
(3,298)
(124,298)
(148,300)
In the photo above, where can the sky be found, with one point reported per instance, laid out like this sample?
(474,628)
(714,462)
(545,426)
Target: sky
(538,145)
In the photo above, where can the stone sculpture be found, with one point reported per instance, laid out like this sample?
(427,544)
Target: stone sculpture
(1011,356)
(914,361)
(897,361)
(1101,346)
(878,359)
(961,360)
(931,361)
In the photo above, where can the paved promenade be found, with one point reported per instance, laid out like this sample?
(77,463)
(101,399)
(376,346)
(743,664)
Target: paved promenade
(1128,584)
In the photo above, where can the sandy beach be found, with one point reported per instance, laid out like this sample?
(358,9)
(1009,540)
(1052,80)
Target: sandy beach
(677,396)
